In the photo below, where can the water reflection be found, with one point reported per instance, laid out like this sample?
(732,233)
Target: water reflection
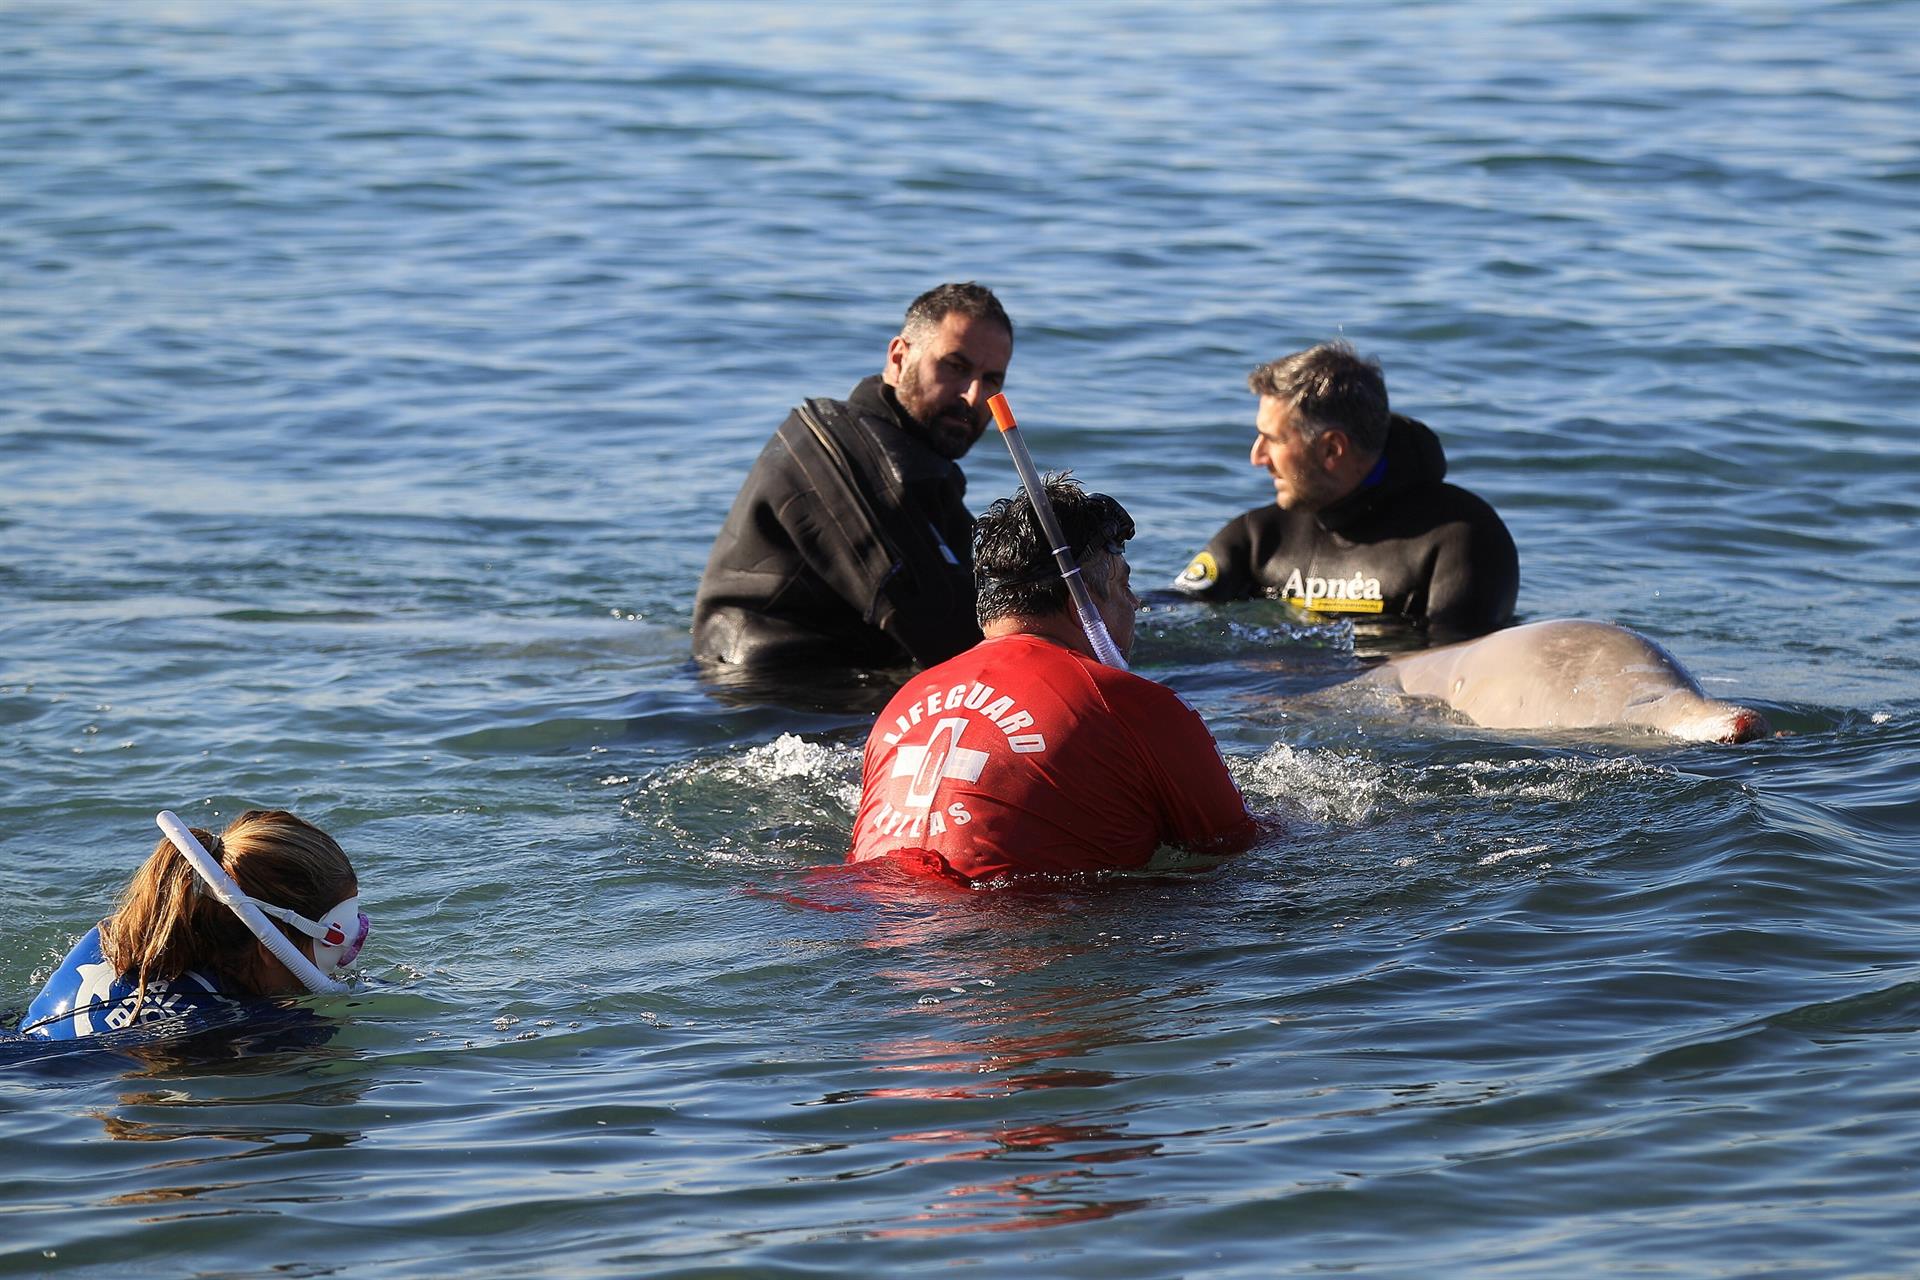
(1020,1203)
(254,1140)
(217,1097)
(998,1066)
(1057,1036)
(209,1136)
(852,693)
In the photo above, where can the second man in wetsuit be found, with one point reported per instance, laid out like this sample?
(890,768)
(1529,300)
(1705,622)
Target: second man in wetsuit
(1362,524)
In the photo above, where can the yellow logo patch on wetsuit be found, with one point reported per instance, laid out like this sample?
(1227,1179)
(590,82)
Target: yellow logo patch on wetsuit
(1333,595)
(1203,572)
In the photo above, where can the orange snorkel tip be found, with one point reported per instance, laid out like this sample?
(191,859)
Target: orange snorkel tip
(1002,415)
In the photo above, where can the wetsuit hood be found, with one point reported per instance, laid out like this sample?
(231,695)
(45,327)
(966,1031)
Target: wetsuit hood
(1413,459)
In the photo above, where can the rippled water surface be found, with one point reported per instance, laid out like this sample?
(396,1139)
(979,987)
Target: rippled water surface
(376,376)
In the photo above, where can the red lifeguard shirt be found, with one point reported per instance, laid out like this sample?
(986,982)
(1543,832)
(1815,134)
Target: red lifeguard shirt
(1021,756)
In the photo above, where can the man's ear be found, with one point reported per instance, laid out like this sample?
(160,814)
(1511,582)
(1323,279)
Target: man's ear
(1334,445)
(1097,572)
(897,350)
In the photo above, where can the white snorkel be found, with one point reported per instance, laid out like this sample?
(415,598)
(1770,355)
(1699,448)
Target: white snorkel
(228,892)
(1090,620)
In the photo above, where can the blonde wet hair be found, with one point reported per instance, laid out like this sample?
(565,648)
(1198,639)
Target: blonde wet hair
(168,922)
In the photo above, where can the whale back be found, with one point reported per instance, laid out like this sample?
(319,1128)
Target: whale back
(1569,674)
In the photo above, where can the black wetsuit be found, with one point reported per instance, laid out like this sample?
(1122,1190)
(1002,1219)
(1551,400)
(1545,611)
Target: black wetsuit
(1404,545)
(850,545)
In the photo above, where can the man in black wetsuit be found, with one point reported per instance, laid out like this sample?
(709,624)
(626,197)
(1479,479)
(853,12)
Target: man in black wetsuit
(1362,524)
(850,544)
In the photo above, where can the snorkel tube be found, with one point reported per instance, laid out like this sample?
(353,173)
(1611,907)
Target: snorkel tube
(228,892)
(1090,620)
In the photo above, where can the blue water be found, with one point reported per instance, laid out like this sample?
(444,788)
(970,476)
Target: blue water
(376,376)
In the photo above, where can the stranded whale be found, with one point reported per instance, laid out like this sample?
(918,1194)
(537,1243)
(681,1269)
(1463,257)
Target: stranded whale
(1569,674)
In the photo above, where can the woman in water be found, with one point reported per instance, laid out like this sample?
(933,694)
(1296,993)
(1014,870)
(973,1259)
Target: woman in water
(175,952)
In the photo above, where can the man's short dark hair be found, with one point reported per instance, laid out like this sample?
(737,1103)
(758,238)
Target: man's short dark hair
(1014,571)
(974,301)
(1330,385)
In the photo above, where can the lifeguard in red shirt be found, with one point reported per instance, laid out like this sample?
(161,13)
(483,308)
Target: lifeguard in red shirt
(1025,755)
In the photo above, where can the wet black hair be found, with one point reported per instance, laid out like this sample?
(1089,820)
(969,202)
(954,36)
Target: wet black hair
(1014,572)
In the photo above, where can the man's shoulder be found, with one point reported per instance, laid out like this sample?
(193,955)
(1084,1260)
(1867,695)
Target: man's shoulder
(1130,696)
(1137,693)
(866,427)
(1413,508)
(1419,470)
(1256,525)
(1221,571)
(811,416)
(1464,505)
(867,407)
(825,409)
(821,430)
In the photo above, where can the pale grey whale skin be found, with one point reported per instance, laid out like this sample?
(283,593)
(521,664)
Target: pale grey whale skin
(1569,673)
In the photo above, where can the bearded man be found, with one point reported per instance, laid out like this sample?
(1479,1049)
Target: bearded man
(849,545)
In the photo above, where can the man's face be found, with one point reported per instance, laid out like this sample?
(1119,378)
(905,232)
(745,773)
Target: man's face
(945,377)
(1118,605)
(1302,469)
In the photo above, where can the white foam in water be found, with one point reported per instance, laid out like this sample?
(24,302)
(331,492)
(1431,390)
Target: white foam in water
(788,756)
(1327,786)
(1553,778)
(791,756)
(1503,855)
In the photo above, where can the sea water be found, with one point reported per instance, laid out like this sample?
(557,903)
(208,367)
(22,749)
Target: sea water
(377,374)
